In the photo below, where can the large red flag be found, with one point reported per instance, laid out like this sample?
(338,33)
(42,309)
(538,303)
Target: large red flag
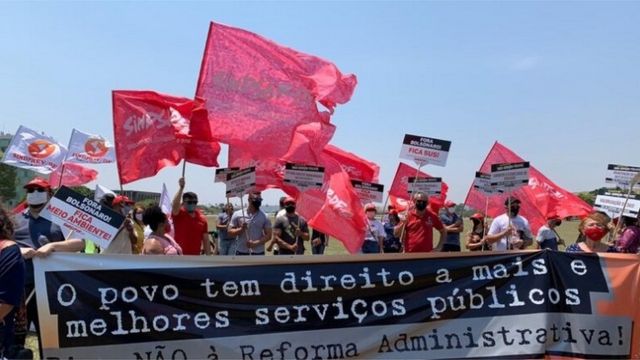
(153,130)
(400,186)
(257,92)
(74,175)
(358,168)
(541,197)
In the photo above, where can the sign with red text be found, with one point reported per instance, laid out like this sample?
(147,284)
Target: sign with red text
(612,204)
(424,150)
(87,218)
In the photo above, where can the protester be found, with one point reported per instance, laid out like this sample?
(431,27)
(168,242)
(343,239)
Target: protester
(159,242)
(416,232)
(290,230)
(37,236)
(453,223)
(138,229)
(385,218)
(391,243)
(547,237)
(630,239)
(594,229)
(475,238)
(12,273)
(509,231)
(374,234)
(319,242)
(281,210)
(190,225)
(251,227)
(127,235)
(226,243)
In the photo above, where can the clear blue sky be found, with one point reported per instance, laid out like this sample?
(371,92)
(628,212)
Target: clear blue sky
(556,82)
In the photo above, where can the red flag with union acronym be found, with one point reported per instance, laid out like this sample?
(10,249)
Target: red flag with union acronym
(400,186)
(358,168)
(541,197)
(74,175)
(153,130)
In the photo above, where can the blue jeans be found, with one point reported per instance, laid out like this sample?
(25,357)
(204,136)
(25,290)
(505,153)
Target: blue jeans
(226,246)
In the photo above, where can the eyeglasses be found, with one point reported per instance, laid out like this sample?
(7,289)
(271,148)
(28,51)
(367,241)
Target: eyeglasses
(30,190)
(193,202)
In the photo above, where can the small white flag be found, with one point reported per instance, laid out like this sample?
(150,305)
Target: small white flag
(91,149)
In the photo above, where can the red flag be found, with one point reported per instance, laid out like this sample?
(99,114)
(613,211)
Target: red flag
(19,208)
(153,130)
(357,167)
(74,175)
(400,186)
(541,197)
(257,92)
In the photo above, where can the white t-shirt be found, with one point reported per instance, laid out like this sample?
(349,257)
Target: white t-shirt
(375,228)
(501,223)
(544,233)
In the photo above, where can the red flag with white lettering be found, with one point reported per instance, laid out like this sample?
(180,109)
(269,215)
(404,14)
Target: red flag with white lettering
(358,168)
(257,92)
(541,197)
(74,175)
(153,130)
(400,186)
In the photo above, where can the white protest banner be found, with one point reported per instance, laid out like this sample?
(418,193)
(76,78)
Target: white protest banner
(482,183)
(429,186)
(303,176)
(86,217)
(91,149)
(509,176)
(241,182)
(621,175)
(424,150)
(368,192)
(32,151)
(612,204)
(221,174)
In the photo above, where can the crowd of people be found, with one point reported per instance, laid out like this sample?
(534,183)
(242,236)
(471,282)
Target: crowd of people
(250,232)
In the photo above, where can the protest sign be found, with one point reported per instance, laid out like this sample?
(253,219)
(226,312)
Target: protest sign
(303,176)
(241,182)
(429,186)
(368,192)
(86,217)
(621,175)
(612,204)
(509,176)
(396,306)
(482,183)
(423,150)
(221,173)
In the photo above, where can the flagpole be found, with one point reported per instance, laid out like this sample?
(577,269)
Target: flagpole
(246,233)
(509,247)
(61,175)
(184,166)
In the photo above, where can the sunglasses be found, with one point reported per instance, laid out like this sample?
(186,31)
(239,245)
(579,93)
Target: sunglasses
(191,202)
(31,190)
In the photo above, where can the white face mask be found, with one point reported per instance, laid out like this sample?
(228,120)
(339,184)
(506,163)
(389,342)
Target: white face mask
(37,198)
(139,217)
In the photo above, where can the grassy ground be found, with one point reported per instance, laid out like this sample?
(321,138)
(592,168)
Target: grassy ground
(567,231)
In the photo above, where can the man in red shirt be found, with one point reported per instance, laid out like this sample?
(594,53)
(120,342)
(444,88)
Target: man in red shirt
(416,231)
(189,224)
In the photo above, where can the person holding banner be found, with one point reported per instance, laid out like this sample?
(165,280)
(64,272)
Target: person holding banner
(453,223)
(159,242)
(509,231)
(253,228)
(475,239)
(191,228)
(12,271)
(594,228)
(391,243)
(290,231)
(226,243)
(547,237)
(630,238)
(416,231)
(374,235)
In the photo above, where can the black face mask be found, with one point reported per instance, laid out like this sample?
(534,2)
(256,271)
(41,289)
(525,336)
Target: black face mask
(421,205)
(290,209)
(256,203)
(514,211)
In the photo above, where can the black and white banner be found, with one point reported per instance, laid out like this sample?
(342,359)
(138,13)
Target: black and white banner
(396,306)
(482,183)
(622,176)
(221,174)
(612,204)
(424,150)
(304,176)
(509,176)
(429,186)
(368,192)
(240,182)
(84,216)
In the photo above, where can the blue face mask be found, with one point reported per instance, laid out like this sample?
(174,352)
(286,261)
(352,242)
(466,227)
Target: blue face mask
(190,207)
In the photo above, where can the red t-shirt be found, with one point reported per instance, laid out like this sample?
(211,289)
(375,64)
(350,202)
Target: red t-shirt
(188,231)
(419,231)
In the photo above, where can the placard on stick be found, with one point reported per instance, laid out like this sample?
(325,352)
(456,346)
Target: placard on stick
(612,204)
(430,186)
(368,192)
(221,174)
(303,176)
(424,150)
(482,183)
(621,175)
(509,176)
(241,182)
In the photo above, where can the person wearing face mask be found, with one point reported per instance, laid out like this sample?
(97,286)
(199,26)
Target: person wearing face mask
(594,228)
(453,223)
(629,239)
(509,231)
(158,242)
(547,237)
(416,231)
(138,229)
(190,226)
(39,237)
(374,234)
(290,230)
(226,243)
(251,226)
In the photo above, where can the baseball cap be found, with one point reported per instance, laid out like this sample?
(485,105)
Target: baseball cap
(449,204)
(477,216)
(38,182)
(369,207)
(289,200)
(120,199)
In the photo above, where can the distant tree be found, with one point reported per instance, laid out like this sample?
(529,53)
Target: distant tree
(7,182)
(588,197)
(83,190)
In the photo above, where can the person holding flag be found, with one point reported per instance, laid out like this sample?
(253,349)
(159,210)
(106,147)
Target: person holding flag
(509,231)
(416,231)
(190,225)
(251,227)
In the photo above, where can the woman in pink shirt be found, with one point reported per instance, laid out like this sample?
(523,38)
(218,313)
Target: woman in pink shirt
(158,242)
(630,239)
